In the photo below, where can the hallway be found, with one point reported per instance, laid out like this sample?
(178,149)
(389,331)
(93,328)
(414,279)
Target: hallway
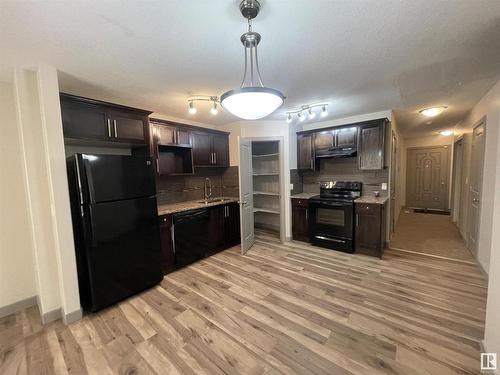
(429,234)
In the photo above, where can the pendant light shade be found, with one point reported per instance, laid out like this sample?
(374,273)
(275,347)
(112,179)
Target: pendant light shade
(252,100)
(252,103)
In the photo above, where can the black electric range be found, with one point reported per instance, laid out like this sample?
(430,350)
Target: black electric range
(331,215)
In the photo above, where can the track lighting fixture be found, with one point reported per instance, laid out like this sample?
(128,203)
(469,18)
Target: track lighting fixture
(212,99)
(214,109)
(192,108)
(307,109)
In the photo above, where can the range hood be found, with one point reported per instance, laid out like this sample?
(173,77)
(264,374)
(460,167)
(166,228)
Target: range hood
(337,152)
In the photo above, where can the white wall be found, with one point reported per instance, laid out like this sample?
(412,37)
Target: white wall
(17,274)
(488,107)
(489,233)
(39,125)
(400,188)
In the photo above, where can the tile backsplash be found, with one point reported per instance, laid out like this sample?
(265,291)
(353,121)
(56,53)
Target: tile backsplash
(174,189)
(345,169)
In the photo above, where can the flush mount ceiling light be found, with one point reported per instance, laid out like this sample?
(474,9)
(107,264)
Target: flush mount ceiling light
(433,111)
(309,109)
(446,133)
(252,100)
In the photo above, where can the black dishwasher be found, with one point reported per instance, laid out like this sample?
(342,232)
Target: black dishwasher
(191,238)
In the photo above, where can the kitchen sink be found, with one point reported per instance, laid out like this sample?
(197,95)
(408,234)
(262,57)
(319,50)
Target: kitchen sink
(213,200)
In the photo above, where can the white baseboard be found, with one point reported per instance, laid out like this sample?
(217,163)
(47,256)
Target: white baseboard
(17,306)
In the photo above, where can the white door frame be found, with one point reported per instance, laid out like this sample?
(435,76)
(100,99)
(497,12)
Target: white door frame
(281,142)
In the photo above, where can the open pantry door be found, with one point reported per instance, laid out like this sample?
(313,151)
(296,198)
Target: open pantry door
(246,195)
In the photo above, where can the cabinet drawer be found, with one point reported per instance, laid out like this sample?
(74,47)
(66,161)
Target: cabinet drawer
(300,202)
(368,208)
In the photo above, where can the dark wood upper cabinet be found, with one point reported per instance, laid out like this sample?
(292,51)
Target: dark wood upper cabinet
(324,140)
(346,137)
(220,148)
(128,126)
(92,120)
(164,135)
(84,120)
(167,247)
(210,149)
(371,148)
(305,152)
(202,149)
(183,137)
(370,229)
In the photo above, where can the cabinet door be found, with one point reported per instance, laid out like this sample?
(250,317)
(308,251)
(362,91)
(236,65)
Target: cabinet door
(216,225)
(232,225)
(369,229)
(371,147)
(128,127)
(324,140)
(220,149)
(347,137)
(202,149)
(85,121)
(300,224)
(183,137)
(167,250)
(305,152)
(164,134)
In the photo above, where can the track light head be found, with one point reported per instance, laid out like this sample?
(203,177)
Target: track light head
(192,108)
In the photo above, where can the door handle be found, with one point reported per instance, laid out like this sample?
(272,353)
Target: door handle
(109,128)
(114,127)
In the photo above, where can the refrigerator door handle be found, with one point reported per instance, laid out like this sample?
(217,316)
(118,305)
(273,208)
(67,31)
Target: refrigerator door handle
(172,234)
(79,180)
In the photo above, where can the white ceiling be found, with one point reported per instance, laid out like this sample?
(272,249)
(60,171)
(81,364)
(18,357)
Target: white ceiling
(359,56)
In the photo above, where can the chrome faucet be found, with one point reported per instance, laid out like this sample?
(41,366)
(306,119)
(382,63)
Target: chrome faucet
(208,188)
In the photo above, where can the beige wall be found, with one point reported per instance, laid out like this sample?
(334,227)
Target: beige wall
(17,274)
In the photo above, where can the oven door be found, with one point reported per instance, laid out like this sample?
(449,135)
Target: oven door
(331,224)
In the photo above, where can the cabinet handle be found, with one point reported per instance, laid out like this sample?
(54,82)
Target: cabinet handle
(215,158)
(114,127)
(357,220)
(109,128)
(307,214)
(157,166)
(312,164)
(176,137)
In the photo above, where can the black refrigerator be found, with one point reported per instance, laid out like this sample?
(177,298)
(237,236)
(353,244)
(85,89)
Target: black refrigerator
(115,224)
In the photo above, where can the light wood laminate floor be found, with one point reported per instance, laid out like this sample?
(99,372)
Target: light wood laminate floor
(282,309)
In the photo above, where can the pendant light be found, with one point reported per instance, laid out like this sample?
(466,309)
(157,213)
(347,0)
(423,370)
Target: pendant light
(252,100)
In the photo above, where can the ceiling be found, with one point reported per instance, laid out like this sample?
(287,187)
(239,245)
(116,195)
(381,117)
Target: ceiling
(359,56)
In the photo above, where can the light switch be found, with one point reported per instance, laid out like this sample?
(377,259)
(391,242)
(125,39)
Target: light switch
(384,186)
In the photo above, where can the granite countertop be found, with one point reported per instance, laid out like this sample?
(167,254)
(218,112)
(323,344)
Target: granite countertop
(171,208)
(303,195)
(371,199)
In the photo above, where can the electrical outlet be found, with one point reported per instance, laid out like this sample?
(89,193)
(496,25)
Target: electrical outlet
(291,186)
(384,186)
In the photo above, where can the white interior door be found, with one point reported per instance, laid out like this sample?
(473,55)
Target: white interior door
(475,186)
(246,195)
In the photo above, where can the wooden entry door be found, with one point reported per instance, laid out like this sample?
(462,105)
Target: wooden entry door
(427,177)
(475,186)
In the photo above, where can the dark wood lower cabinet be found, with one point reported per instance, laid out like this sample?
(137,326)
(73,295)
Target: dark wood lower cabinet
(224,222)
(370,229)
(300,220)
(167,249)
